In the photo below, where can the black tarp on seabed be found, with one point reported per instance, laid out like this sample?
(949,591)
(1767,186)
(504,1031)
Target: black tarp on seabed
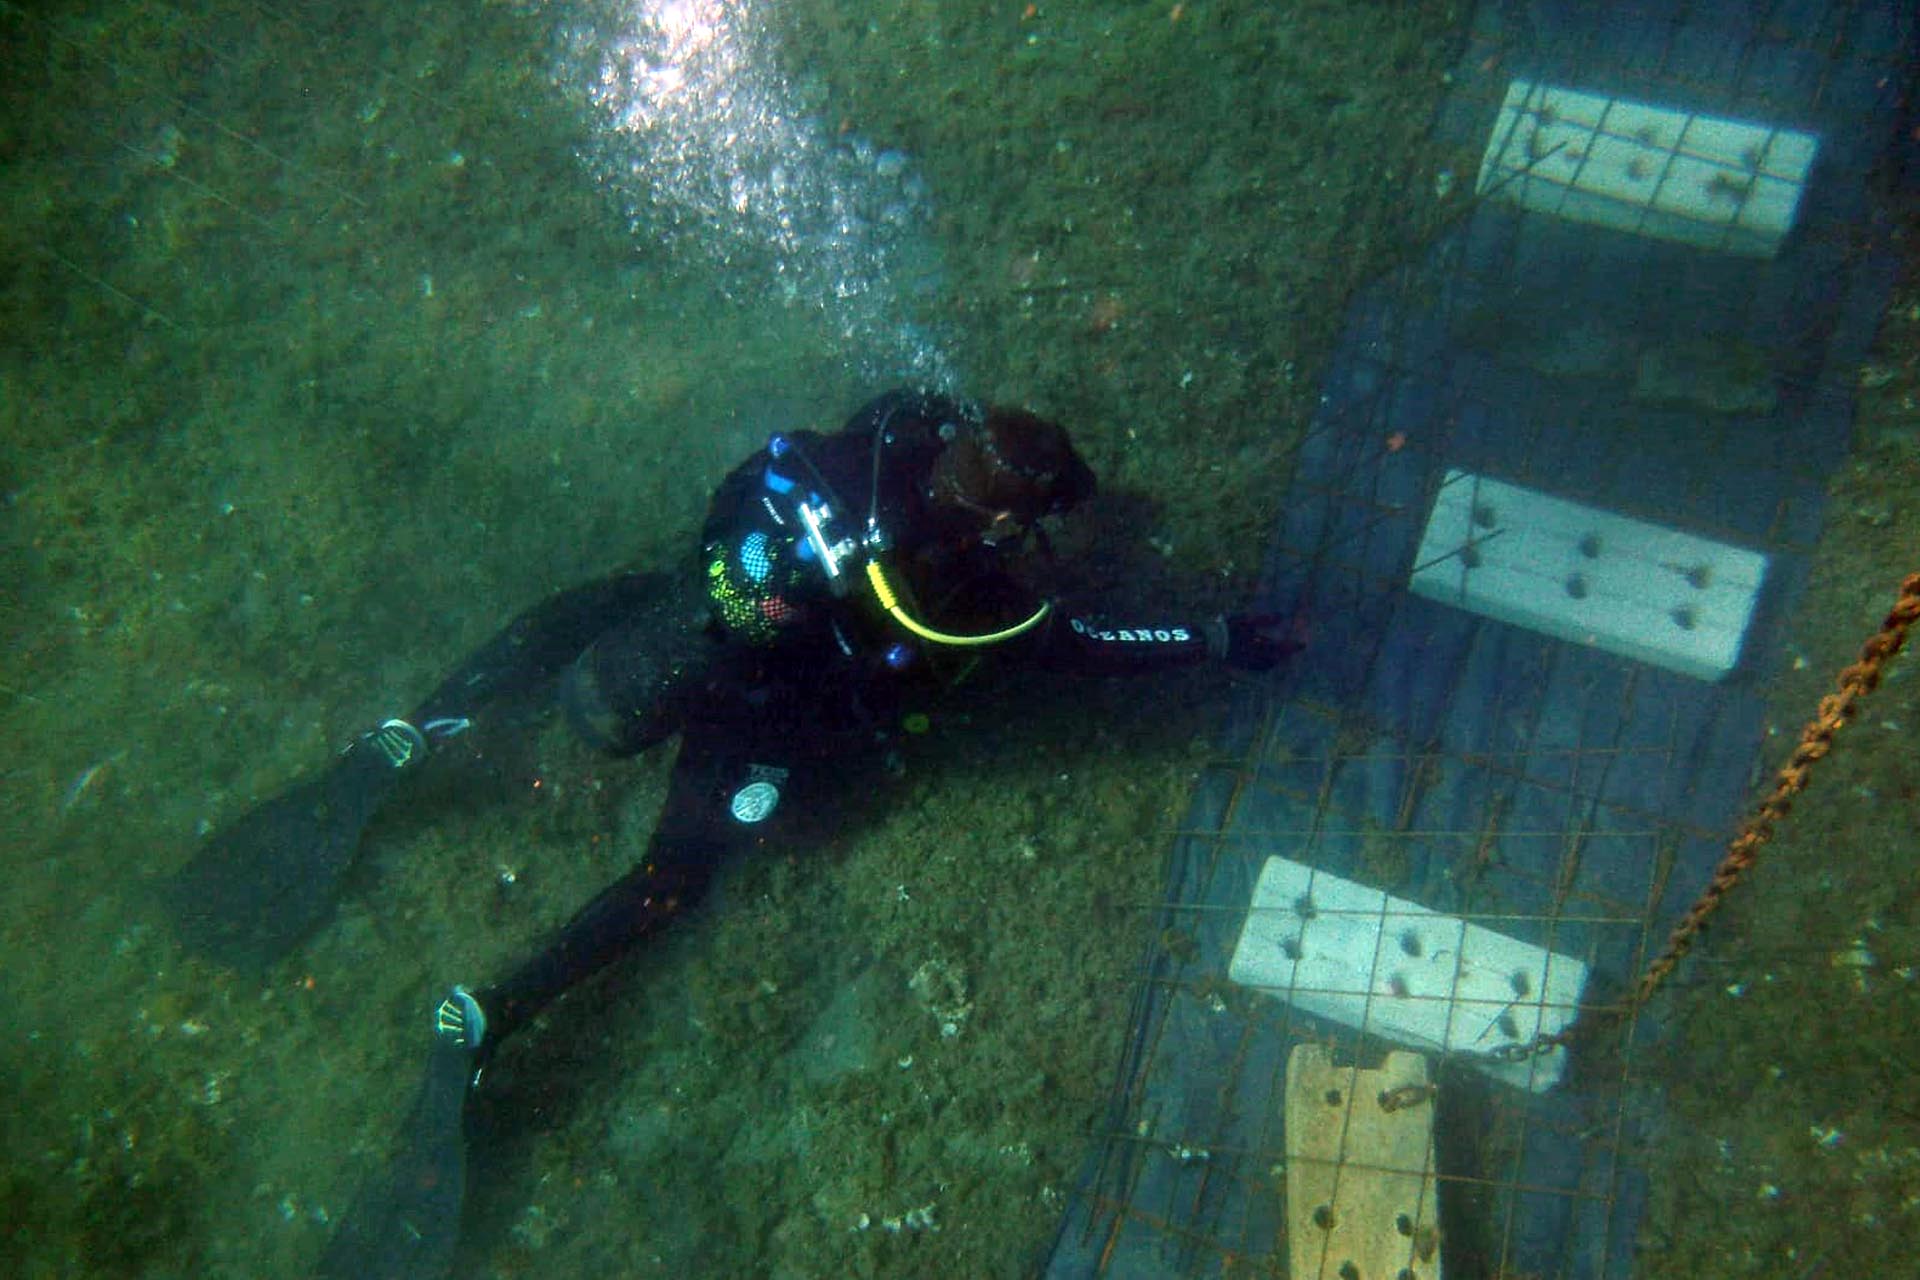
(1583,797)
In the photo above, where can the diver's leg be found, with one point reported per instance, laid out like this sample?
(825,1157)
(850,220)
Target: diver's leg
(406,1224)
(695,831)
(640,680)
(541,642)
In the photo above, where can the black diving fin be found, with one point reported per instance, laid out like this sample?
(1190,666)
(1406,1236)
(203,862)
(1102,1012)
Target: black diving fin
(404,1226)
(258,887)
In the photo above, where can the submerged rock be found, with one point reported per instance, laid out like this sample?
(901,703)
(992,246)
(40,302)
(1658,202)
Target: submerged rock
(1708,375)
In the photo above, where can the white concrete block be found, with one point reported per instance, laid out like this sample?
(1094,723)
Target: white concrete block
(1728,185)
(1395,969)
(1640,590)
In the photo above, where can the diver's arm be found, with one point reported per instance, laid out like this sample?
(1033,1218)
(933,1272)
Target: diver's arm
(1091,644)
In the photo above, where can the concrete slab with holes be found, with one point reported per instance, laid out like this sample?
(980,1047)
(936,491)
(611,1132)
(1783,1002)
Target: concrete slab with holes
(1654,170)
(1393,968)
(1640,590)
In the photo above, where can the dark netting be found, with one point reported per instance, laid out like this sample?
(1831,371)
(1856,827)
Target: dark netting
(1675,356)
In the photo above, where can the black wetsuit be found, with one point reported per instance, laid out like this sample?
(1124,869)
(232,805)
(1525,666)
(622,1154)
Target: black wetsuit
(775,681)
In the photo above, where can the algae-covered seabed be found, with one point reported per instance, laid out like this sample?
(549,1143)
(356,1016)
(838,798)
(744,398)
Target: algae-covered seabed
(323,355)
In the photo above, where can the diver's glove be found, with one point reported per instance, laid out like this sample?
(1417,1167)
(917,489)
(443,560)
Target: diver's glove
(1254,641)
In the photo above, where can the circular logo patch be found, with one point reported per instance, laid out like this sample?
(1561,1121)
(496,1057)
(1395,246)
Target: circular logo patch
(753,802)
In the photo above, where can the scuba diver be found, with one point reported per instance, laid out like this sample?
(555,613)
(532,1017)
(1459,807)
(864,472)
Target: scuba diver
(834,571)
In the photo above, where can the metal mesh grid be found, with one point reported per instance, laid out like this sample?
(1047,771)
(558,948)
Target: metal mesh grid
(1328,789)
(1558,795)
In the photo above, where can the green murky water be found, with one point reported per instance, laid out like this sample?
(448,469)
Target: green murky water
(325,351)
